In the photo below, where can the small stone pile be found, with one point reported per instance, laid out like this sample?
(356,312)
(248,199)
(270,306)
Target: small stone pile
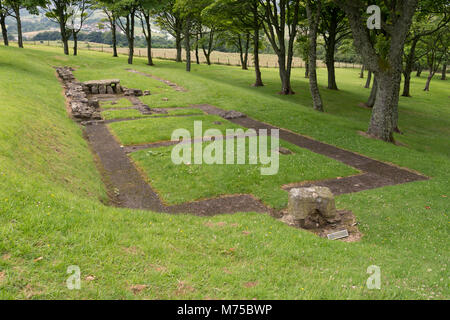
(230,115)
(82,108)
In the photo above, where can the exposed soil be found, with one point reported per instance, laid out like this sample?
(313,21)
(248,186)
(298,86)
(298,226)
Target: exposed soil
(129,189)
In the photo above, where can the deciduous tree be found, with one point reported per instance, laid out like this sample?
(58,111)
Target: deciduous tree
(383,58)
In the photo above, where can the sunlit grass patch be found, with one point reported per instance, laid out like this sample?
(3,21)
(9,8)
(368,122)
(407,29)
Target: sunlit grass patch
(135,114)
(122,103)
(161,129)
(189,182)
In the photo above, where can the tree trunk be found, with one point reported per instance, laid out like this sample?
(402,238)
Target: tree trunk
(373,94)
(19,27)
(419,72)
(114,37)
(369,80)
(130,36)
(75,43)
(382,121)
(64,36)
(197,56)
(179,46)
(284,76)
(247,45)
(444,72)
(258,81)
(430,77)
(307,69)
(149,40)
(187,39)
(313,18)
(361,75)
(4,30)
(207,53)
(407,83)
(409,64)
(330,64)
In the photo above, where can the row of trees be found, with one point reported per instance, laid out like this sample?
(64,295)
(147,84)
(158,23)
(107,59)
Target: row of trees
(409,35)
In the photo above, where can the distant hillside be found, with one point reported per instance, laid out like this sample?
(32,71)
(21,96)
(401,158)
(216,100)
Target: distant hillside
(34,24)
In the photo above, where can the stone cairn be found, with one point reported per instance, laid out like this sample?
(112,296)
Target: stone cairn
(311,207)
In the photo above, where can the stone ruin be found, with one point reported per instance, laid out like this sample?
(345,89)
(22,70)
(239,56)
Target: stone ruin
(311,207)
(102,87)
(83,109)
(83,104)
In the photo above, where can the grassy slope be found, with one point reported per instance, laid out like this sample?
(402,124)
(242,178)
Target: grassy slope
(49,195)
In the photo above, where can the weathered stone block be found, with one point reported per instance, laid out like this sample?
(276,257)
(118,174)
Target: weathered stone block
(102,89)
(94,89)
(308,202)
(109,90)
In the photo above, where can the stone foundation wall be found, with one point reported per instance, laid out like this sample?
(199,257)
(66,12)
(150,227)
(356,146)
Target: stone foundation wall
(83,109)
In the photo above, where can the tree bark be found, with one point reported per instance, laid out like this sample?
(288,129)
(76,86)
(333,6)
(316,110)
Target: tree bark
(148,38)
(75,43)
(361,74)
(256,27)
(114,37)
(130,36)
(419,72)
(409,64)
(247,46)
(444,72)
(187,39)
(407,83)
(4,30)
(369,80)
(207,52)
(330,49)
(373,94)
(197,55)
(332,85)
(382,121)
(179,47)
(313,19)
(63,30)
(307,69)
(430,77)
(19,27)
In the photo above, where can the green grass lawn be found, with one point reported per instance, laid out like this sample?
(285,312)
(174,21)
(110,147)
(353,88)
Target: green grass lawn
(150,130)
(52,213)
(209,181)
(135,114)
(121,103)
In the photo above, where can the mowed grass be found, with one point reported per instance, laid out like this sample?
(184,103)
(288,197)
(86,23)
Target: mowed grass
(51,215)
(121,103)
(161,129)
(135,114)
(177,184)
